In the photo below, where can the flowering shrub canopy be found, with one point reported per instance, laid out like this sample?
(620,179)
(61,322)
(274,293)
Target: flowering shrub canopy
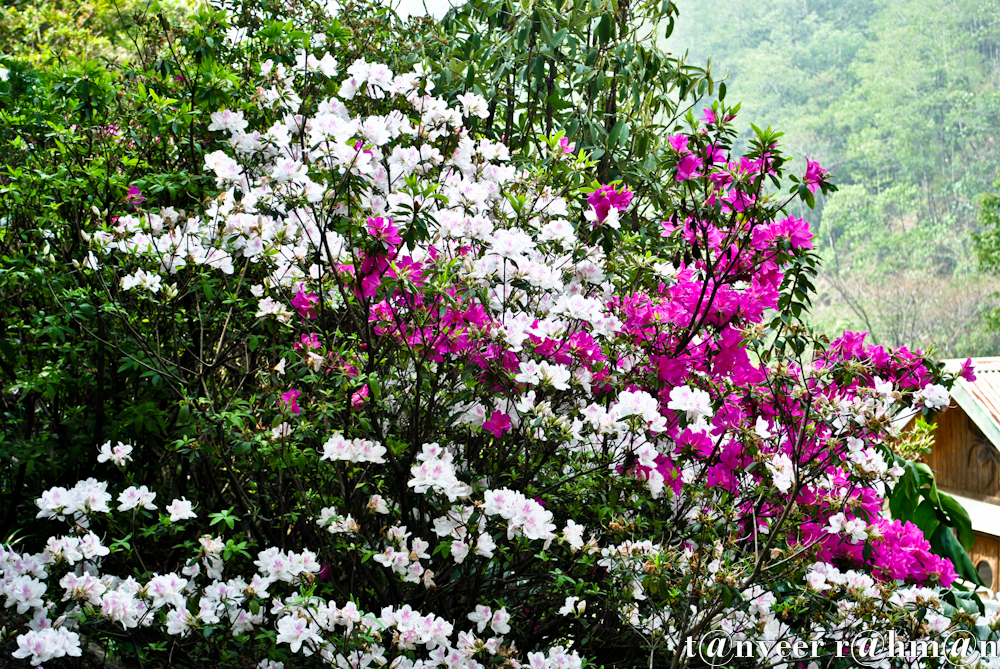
(465,433)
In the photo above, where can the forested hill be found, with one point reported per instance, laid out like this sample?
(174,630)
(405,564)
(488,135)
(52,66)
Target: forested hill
(900,100)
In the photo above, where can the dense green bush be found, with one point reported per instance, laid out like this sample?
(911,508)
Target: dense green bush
(57,33)
(82,145)
(594,71)
(202,370)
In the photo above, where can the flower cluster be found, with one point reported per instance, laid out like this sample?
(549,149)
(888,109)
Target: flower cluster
(352,450)
(202,598)
(470,373)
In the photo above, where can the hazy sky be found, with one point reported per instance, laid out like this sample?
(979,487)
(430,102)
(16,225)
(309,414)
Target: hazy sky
(436,8)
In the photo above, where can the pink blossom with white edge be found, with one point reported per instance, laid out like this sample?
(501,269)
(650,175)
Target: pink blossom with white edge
(298,632)
(117,454)
(47,644)
(180,509)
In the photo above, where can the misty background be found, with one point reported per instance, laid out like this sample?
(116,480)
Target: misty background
(900,101)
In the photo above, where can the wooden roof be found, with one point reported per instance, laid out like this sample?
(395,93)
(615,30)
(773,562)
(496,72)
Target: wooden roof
(980,399)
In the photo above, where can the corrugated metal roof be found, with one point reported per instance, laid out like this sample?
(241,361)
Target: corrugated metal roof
(980,398)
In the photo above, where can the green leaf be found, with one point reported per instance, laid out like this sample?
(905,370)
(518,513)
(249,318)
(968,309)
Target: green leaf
(944,543)
(8,352)
(806,195)
(925,516)
(604,28)
(960,520)
(615,133)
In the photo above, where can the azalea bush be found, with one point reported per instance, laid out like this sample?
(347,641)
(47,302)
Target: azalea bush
(335,375)
(82,143)
(413,413)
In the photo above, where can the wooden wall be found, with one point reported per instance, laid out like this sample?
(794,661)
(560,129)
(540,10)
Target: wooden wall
(962,463)
(957,456)
(987,549)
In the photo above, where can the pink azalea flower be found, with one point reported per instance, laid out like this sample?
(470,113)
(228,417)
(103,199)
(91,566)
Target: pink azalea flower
(666,468)
(737,200)
(497,424)
(698,442)
(383,229)
(796,231)
(134,195)
(565,146)
(606,197)
(309,341)
(688,167)
(360,398)
(715,154)
(814,174)
(289,400)
(305,303)
(967,372)
(679,143)
(709,118)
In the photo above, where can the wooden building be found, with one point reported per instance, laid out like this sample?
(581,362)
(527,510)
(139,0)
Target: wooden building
(966,460)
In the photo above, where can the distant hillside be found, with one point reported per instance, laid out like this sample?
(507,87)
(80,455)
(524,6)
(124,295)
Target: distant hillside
(901,100)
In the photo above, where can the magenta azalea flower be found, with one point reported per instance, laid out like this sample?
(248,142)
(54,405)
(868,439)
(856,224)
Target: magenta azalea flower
(497,424)
(709,118)
(688,167)
(814,175)
(383,229)
(360,398)
(794,230)
(606,197)
(305,303)
(309,341)
(289,400)
(134,195)
(679,143)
